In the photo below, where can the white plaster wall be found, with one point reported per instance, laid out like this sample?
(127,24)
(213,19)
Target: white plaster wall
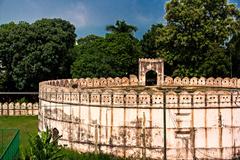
(215,125)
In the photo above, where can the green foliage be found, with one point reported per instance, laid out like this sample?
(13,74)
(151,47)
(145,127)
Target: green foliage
(44,147)
(114,55)
(22,100)
(194,40)
(121,27)
(233,51)
(148,44)
(30,53)
(28,126)
(7,51)
(74,155)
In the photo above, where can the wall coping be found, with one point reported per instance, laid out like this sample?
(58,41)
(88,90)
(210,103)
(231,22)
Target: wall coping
(109,82)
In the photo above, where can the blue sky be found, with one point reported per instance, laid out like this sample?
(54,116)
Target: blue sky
(88,16)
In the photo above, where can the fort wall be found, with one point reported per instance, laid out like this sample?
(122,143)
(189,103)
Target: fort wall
(124,117)
(133,81)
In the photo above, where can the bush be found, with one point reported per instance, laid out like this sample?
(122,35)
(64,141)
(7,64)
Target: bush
(44,147)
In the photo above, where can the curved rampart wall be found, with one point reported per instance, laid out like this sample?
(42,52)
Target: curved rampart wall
(118,116)
(133,81)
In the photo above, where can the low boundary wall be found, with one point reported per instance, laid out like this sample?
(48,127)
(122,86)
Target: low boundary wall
(19,109)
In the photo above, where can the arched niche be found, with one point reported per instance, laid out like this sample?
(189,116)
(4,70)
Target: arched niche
(151,78)
(155,65)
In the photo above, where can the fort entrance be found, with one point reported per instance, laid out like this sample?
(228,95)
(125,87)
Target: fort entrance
(151,71)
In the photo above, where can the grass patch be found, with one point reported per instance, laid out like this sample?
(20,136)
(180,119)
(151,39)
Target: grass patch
(26,124)
(74,155)
(6,135)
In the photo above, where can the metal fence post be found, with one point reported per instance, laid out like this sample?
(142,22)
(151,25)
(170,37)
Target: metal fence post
(144,136)
(164,127)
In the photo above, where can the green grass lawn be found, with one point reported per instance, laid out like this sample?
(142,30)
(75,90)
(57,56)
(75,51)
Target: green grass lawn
(26,124)
(6,135)
(73,155)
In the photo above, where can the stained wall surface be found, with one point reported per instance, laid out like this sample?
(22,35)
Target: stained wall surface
(120,116)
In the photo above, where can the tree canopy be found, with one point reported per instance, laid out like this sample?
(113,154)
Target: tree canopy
(113,55)
(148,42)
(194,40)
(200,38)
(121,27)
(30,53)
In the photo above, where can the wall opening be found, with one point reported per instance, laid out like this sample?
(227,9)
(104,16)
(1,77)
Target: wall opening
(152,65)
(151,78)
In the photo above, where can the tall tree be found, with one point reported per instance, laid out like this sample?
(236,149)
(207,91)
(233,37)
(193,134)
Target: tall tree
(13,42)
(149,47)
(114,55)
(87,42)
(194,40)
(233,51)
(35,52)
(121,27)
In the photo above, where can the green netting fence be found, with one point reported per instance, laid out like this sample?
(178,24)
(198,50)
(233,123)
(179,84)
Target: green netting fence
(9,144)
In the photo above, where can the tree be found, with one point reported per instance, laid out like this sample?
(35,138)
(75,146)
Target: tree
(31,53)
(86,42)
(194,40)
(13,41)
(148,44)
(82,42)
(121,27)
(233,48)
(114,55)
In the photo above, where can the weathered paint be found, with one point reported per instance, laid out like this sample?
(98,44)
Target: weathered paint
(125,118)
(117,128)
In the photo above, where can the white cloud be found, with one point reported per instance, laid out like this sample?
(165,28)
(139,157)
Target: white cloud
(143,19)
(77,14)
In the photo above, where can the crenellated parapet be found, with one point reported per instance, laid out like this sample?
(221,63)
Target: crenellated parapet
(202,81)
(18,109)
(92,82)
(95,89)
(117,82)
(140,98)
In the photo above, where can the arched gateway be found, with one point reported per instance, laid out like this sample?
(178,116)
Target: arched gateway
(147,66)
